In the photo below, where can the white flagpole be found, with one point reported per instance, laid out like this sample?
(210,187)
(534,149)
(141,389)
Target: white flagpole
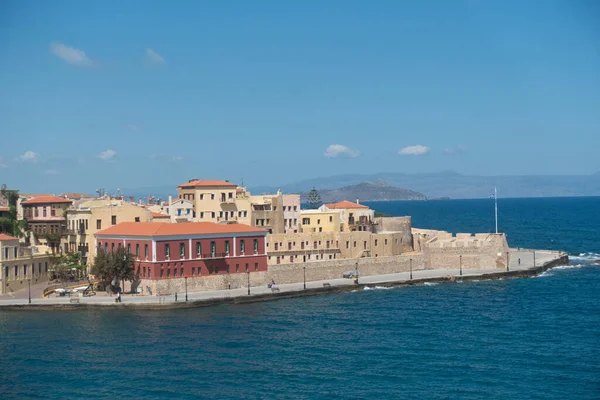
(496,207)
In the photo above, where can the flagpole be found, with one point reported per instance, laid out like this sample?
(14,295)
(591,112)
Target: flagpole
(496,207)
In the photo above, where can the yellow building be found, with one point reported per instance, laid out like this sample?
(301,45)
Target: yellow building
(21,266)
(317,221)
(216,201)
(354,216)
(88,216)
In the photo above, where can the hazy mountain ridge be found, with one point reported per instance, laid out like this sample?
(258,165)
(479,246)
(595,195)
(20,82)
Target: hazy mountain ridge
(366,191)
(457,186)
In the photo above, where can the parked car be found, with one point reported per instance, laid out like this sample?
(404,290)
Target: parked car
(351,274)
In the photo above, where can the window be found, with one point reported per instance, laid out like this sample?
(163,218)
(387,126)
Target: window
(231,195)
(137,219)
(25,266)
(6,253)
(168,272)
(305,221)
(198,249)
(128,248)
(137,249)
(44,211)
(278,260)
(201,214)
(375,242)
(255,246)
(146,250)
(162,272)
(247,266)
(98,224)
(213,249)
(227,268)
(199,270)
(167,251)
(385,242)
(227,247)
(181,250)
(315,245)
(179,212)
(318,222)
(113,219)
(40,268)
(242,246)
(86,224)
(149,272)
(15,252)
(181,271)
(112,247)
(212,196)
(256,265)
(193,271)
(220,214)
(237,267)
(212,214)
(330,219)
(120,244)
(201,196)
(289,245)
(365,244)
(276,246)
(16,271)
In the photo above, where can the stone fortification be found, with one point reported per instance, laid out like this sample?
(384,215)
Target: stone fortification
(290,273)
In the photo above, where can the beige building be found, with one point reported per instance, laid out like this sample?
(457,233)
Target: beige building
(88,216)
(21,266)
(307,246)
(354,216)
(291,213)
(216,201)
(320,221)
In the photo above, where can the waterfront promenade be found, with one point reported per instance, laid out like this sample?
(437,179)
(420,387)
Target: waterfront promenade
(521,264)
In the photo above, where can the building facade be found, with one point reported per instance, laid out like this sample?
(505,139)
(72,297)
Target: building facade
(320,221)
(45,215)
(188,250)
(21,266)
(354,216)
(89,216)
(291,213)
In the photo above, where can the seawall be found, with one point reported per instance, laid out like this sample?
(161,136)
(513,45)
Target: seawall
(562,259)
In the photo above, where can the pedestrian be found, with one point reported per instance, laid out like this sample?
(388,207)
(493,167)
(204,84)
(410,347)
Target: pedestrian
(175,297)
(519,261)
(119,296)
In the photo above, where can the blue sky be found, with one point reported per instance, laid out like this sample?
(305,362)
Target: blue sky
(146,93)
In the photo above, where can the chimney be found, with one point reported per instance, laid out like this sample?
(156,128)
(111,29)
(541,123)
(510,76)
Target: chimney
(357,201)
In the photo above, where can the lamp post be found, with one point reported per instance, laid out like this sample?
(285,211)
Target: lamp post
(305,277)
(186,297)
(460,265)
(29,287)
(534,258)
(411,269)
(356,270)
(507,262)
(248,282)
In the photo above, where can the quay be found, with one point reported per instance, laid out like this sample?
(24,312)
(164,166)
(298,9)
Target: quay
(523,263)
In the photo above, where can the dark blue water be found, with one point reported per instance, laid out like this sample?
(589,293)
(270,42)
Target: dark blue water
(519,338)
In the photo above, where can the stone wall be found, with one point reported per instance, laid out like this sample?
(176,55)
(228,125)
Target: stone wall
(478,251)
(289,273)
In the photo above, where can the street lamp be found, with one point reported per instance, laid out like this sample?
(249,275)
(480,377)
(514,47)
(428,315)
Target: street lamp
(460,264)
(186,298)
(357,273)
(507,262)
(534,258)
(411,269)
(248,283)
(305,277)
(29,287)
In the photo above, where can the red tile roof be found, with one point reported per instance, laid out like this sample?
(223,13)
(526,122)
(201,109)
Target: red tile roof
(158,215)
(345,204)
(206,183)
(167,229)
(46,199)
(7,237)
(4,209)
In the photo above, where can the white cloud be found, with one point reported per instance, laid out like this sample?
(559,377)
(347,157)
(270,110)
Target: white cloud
(51,172)
(336,150)
(456,150)
(30,156)
(71,55)
(107,155)
(153,58)
(416,150)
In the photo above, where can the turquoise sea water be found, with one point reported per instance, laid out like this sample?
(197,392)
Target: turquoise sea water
(516,338)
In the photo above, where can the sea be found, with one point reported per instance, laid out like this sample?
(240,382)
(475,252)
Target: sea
(526,338)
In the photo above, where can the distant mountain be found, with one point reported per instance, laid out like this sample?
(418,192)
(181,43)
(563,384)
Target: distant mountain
(367,191)
(457,186)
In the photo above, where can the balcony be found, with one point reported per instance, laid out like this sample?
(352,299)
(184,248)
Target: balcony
(215,255)
(227,220)
(227,200)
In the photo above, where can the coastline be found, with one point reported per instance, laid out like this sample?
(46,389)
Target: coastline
(313,288)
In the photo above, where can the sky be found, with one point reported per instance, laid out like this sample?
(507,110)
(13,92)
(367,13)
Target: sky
(111,94)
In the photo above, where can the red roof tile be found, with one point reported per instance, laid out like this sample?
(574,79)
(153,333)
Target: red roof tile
(158,215)
(206,183)
(7,237)
(167,229)
(46,199)
(344,205)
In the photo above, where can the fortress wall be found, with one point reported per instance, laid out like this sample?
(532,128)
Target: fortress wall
(290,273)
(479,251)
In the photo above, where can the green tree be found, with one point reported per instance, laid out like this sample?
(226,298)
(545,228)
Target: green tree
(66,266)
(114,267)
(11,225)
(314,199)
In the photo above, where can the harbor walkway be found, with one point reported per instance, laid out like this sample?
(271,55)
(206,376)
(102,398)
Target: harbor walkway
(520,261)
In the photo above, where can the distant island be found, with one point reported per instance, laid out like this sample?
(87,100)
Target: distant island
(367,191)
